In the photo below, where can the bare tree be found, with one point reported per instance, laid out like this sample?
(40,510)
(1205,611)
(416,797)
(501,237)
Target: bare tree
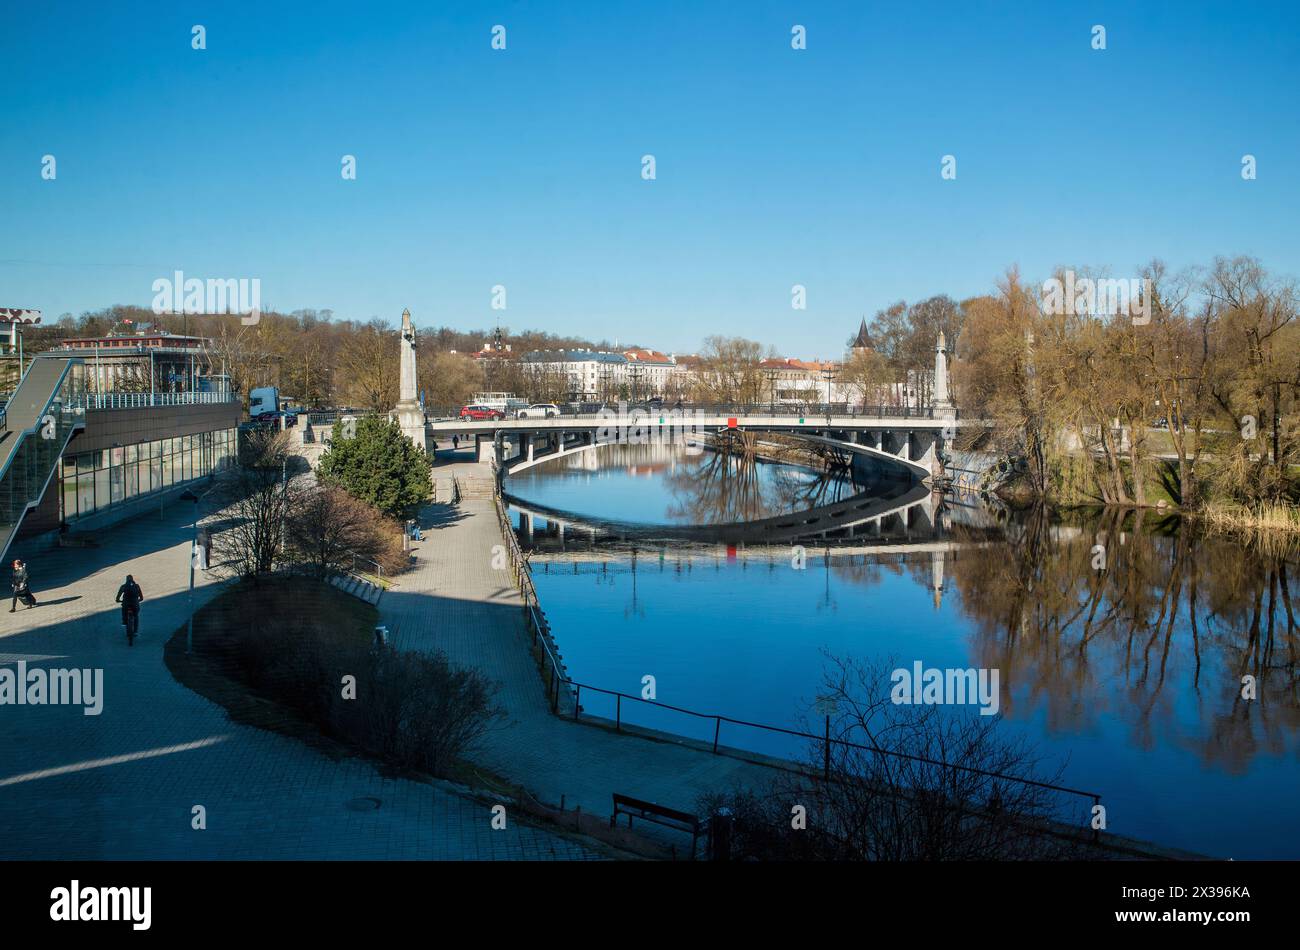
(258,494)
(328,529)
(906,783)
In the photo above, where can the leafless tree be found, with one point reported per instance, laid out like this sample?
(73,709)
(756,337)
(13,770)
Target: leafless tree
(906,783)
(257,494)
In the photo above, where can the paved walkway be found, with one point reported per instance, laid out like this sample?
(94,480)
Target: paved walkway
(456,602)
(121,785)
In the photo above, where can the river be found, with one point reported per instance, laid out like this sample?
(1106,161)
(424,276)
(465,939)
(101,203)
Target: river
(1121,640)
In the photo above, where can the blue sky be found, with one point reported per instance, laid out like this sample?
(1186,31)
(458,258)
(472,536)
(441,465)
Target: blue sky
(522,167)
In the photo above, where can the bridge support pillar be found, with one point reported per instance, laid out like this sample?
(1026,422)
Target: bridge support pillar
(926,448)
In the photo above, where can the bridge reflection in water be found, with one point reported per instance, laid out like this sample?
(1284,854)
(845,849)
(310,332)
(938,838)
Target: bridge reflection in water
(855,513)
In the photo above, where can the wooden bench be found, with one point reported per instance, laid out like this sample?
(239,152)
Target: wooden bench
(659,815)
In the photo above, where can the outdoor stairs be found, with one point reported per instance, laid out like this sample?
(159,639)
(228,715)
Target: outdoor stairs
(36,422)
(476,487)
(358,587)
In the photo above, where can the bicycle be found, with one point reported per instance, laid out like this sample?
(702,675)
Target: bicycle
(131,621)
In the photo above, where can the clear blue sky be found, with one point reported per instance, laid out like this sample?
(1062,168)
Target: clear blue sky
(775,167)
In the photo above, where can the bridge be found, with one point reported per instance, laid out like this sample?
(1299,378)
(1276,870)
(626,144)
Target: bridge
(914,439)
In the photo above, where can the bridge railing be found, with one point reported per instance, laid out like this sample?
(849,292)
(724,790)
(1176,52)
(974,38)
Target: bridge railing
(807,411)
(331,416)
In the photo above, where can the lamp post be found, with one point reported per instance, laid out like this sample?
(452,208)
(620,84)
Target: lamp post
(188,495)
(771,388)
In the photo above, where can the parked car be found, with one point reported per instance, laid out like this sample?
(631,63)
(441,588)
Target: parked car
(539,410)
(481,413)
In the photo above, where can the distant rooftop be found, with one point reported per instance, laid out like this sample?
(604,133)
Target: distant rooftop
(160,340)
(648,356)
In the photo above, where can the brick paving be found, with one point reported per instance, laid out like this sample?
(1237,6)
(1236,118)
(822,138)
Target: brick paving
(121,785)
(454,601)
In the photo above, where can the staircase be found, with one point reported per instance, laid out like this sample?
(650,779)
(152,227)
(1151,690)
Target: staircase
(37,423)
(475,487)
(358,587)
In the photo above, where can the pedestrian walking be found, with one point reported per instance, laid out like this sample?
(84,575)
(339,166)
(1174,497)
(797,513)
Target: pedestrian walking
(21,586)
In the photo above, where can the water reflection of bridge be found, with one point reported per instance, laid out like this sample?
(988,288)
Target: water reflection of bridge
(914,515)
(684,557)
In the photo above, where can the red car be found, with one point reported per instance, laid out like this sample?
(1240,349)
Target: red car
(478,413)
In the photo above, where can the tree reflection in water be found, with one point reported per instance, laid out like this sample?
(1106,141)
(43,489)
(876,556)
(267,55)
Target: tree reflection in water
(1160,636)
(733,482)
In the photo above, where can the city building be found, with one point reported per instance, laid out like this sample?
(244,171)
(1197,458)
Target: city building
(583,375)
(650,373)
(790,382)
(147,362)
(102,429)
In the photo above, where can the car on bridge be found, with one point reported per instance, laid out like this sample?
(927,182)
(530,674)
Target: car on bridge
(271,420)
(539,410)
(481,413)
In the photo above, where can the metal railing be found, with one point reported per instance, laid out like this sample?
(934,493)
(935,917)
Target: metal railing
(554,675)
(330,416)
(362,559)
(808,411)
(558,684)
(149,400)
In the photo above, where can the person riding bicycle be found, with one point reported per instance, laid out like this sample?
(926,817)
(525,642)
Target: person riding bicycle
(129,596)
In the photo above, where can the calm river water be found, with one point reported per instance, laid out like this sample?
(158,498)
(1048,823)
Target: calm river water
(1127,679)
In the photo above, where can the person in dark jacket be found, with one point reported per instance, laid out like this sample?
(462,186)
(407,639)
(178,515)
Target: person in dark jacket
(129,596)
(21,586)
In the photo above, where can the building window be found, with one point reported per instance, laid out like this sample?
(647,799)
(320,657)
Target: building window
(95,481)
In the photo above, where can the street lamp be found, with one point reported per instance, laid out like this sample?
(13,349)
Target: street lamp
(188,495)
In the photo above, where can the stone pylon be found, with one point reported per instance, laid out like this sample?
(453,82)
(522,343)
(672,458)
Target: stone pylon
(941,398)
(408,413)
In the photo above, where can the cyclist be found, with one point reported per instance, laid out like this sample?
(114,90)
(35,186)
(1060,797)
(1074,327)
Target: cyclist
(129,596)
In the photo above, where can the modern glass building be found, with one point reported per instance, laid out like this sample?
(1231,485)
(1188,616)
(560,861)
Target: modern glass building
(152,418)
(97,480)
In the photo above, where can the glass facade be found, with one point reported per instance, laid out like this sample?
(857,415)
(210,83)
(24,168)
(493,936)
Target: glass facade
(96,481)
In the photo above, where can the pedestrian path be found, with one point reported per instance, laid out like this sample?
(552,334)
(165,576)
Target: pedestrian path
(457,601)
(124,784)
